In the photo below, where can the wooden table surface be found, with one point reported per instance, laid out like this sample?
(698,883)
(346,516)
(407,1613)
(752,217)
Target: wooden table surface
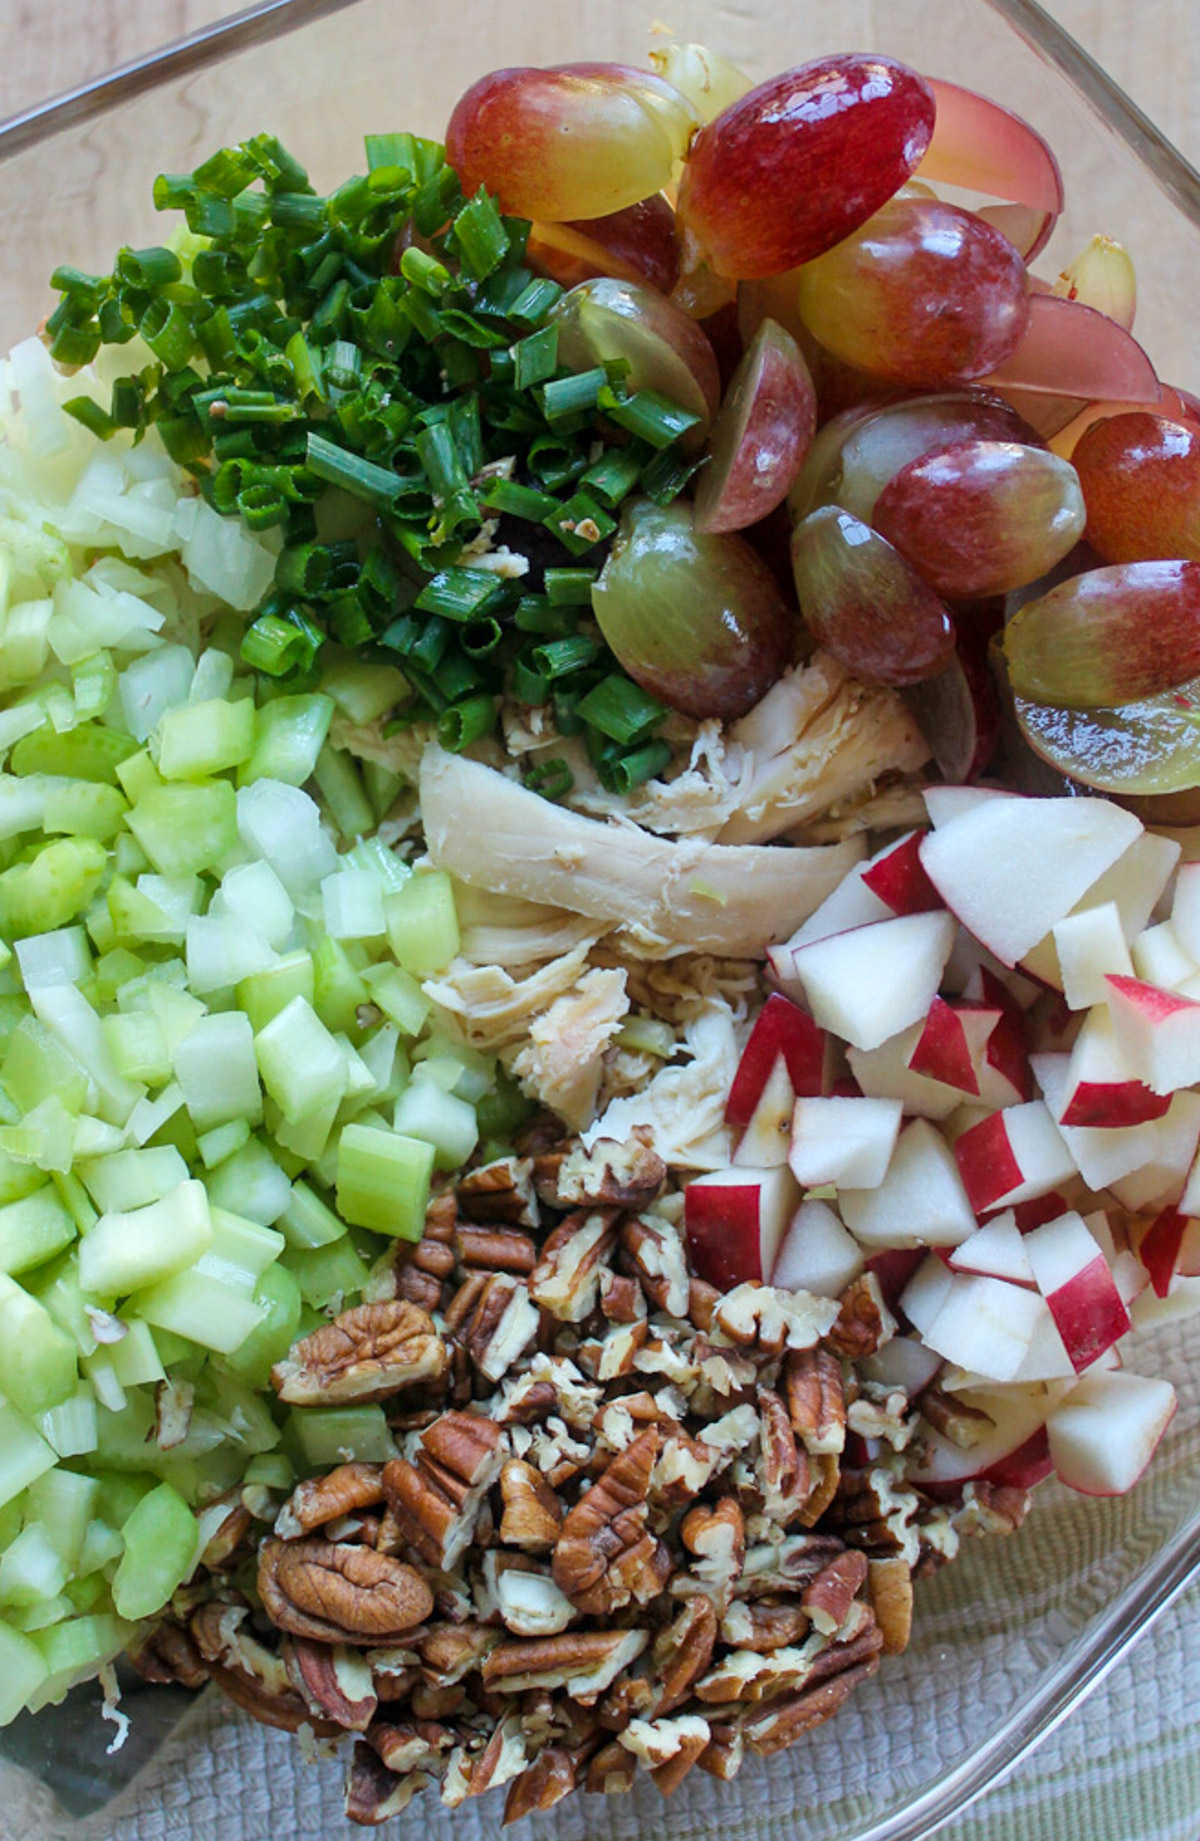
(1151,47)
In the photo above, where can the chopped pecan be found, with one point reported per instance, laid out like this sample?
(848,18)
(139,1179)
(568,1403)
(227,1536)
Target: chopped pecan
(654,1249)
(763,1626)
(883,1413)
(955,1418)
(340,1594)
(991,1508)
(872,1511)
(530,1603)
(782,1468)
(864,1322)
(320,1500)
(492,1318)
(609,1175)
(828,1597)
(751,1674)
(825,1479)
(782,1722)
(249,1674)
(411,1745)
(668,1747)
(717,1537)
(532,1512)
(622,1299)
(501,1191)
(685,1466)
(450,1652)
(227,1540)
(682,1651)
(416,1272)
(566,1279)
(495,1249)
(703,1299)
(553,1774)
(484,1761)
(722,1756)
(583,1662)
(783,1566)
(605,1557)
(167,1654)
(336,1682)
(890,1590)
(373,1793)
(612,1771)
(437,1499)
(764,1322)
(368,1353)
(616,1354)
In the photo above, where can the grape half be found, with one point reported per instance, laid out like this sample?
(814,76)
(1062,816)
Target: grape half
(1141,483)
(666,351)
(1145,748)
(865,604)
(761,434)
(1109,637)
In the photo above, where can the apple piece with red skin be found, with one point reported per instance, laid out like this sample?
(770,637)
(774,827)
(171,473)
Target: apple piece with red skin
(921,1200)
(871,982)
(768,1132)
(844,1141)
(923,1296)
(781,1031)
(1009,868)
(1162,1176)
(944,1052)
(1149,1312)
(893,1267)
(1012,1156)
(1159,1244)
(1157,1031)
(1102,1089)
(946,803)
(884,1073)
(817,1254)
(735,1220)
(896,875)
(1091,943)
(1014,1453)
(996,1250)
(1074,1278)
(1103,1154)
(1107,1429)
(850,904)
(984,1322)
(1038,1209)
(1004,1077)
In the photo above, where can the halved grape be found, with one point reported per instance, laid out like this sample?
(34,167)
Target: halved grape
(1147,747)
(761,435)
(1026,228)
(665,350)
(577,141)
(982,517)
(1174,406)
(865,604)
(1068,349)
(924,293)
(696,620)
(1109,637)
(1101,276)
(636,244)
(958,713)
(708,82)
(1141,482)
(983,147)
(794,166)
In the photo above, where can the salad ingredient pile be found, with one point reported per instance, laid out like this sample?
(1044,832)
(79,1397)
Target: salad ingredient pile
(558,1147)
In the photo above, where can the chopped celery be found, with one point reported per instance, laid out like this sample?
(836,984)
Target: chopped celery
(352,902)
(327,1274)
(307,1136)
(455,1066)
(221,1142)
(67,1012)
(203,1308)
(65,1502)
(339,987)
(382,787)
(176,1010)
(115,968)
(241,1249)
(289,735)
(102,1378)
(32,1568)
(129,859)
(425,1110)
(138,1047)
(137,774)
(87,753)
(283,825)
(150,1118)
(85,809)
(216,1067)
(398,995)
(222,949)
(422,925)
(302,1066)
(40,1615)
(383,1180)
(52,888)
(102,1544)
(125,1251)
(196,740)
(46,1136)
(307,1221)
(342,790)
(252,893)
(135,1359)
(264,994)
(271,1470)
(362,688)
(61,957)
(251,1183)
(23,1671)
(70,1429)
(75,1650)
(279,1290)
(75,1199)
(130,1179)
(33,1229)
(341,1435)
(38,1360)
(185,827)
(24,1454)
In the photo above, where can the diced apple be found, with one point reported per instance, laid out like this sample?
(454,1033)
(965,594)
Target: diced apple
(1185,910)
(944,803)
(1046,1358)
(903,1362)
(943,1051)
(1012,1156)
(735,1220)
(1004,1076)
(850,904)
(1157,1031)
(1159,959)
(1042,964)
(893,1267)
(868,984)
(769,1128)
(817,1254)
(1102,1088)
(884,1073)
(1161,1178)
(1107,1429)
(1029,1215)
(1089,944)
(781,1028)
(1102,1154)
(925,1293)
(921,1200)
(995,1250)
(898,877)
(1013,1453)
(844,1141)
(1010,868)
(1074,1278)
(1136,880)
(1159,1244)
(1152,1313)
(984,1322)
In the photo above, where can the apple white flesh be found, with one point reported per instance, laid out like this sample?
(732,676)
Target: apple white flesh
(1107,1429)
(945,803)
(817,1254)
(851,904)
(1010,868)
(781,1028)
(869,983)
(903,1362)
(926,1292)
(768,1130)
(844,1141)
(1074,1278)
(1102,1154)
(1014,1453)
(1185,910)
(984,1322)
(1047,1357)
(884,1073)
(1089,944)
(1157,1031)
(735,1219)
(1102,1087)
(1149,1312)
(921,1200)
(1160,1180)
(996,1250)
(1159,959)
(1012,1156)
(1136,880)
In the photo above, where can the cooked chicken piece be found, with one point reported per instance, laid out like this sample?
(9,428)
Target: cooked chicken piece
(684,1107)
(562,1062)
(489,831)
(506,930)
(492,1006)
(400,753)
(695,802)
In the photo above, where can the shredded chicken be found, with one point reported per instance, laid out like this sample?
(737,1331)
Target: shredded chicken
(507,930)
(493,1007)
(562,1062)
(684,1106)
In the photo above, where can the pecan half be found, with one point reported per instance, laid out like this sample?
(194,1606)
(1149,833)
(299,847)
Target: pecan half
(605,1557)
(336,1682)
(450,1652)
(373,1793)
(828,1597)
(763,1626)
(411,1745)
(501,1191)
(782,1467)
(816,1400)
(553,1774)
(324,1499)
(864,1322)
(682,1652)
(167,1654)
(532,1512)
(566,1279)
(609,1175)
(890,1590)
(654,1249)
(492,1317)
(368,1353)
(495,1249)
(437,1499)
(583,1662)
(763,1321)
(784,1721)
(340,1594)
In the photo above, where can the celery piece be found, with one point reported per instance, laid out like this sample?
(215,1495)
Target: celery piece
(75,1199)
(279,1290)
(33,1229)
(46,1136)
(154,683)
(241,1249)
(24,1454)
(22,1672)
(34,1617)
(89,752)
(52,888)
(202,1308)
(135,1359)
(382,787)
(342,790)
(134,915)
(137,774)
(283,825)
(251,1183)
(425,1110)
(216,1067)
(302,1066)
(102,1544)
(129,859)
(289,735)
(33,1568)
(352,902)
(85,810)
(307,1136)
(307,1221)
(339,987)
(138,1048)
(85,1594)
(70,1429)
(67,1012)
(264,994)
(185,827)
(362,688)
(150,1118)
(61,957)
(127,1250)
(176,1011)
(271,1470)
(327,1274)
(160,1553)
(102,1378)
(112,970)
(421,923)
(398,995)
(130,1179)
(455,1066)
(64,1501)
(252,893)
(221,1142)
(222,949)
(93,681)
(23,802)
(196,740)
(342,1434)
(383,1181)
(120,1493)
(38,1360)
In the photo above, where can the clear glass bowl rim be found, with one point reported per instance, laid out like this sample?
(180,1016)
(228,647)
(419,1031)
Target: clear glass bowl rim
(1177,1565)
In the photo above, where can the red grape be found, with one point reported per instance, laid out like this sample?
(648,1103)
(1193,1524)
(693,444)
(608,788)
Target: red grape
(982,517)
(1111,636)
(665,350)
(578,141)
(637,244)
(924,293)
(865,604)
(1141,483)
(1068,349)
(794,166)
(958,713)
(983,147)
(761,435)
(696,620)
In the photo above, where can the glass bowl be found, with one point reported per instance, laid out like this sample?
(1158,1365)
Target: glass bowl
(1015,1634)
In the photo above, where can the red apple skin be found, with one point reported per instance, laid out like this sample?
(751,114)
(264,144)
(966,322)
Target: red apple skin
(1038,1210)
(781,1028)
(986,1162)
(942,1051)
(1008,1045)
(1088,1313)
(723,1224)
(1114,1103)
(1160,1247)
(1024,1468)
(899,879)
(893,1267)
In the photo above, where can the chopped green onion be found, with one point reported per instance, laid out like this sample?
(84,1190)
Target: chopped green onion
(558,658)
(628,771)
(569,587)
(621,709)
(466,722)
